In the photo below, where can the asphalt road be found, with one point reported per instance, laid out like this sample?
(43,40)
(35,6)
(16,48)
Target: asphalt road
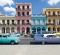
(29,49)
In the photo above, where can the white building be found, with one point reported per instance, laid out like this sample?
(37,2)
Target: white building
(7,24)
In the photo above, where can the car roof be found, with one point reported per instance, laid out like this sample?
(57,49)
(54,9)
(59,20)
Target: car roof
(49,34)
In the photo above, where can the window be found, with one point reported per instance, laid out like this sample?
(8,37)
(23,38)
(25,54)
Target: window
(51,36)
(23,7)
(12,21)
(8,22)
(27,7)
(18,21)
(18,7)
(27,21)
(58,13)
(59,22)
(23,14)
(49,29)
(27,13)
(19,14)
(0,35)
(4,36)
(23,22)
(49,13)
(3,21)
(49,20)
(58,29)
(54,13)
(18,29)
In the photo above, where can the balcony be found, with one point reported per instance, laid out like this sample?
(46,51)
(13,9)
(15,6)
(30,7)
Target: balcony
(7,24)
(50,24)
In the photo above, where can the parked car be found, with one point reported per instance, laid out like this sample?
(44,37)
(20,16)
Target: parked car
(12,39)
(47,38)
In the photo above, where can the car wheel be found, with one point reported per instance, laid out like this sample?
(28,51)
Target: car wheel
(12,42)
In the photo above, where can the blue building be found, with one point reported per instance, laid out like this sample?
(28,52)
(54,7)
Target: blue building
(38,23)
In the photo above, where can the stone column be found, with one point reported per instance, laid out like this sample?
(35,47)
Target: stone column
(10,30)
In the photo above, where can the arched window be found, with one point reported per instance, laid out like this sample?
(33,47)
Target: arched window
(54,29)
(43,29)
(54,13)
(3,30)
(19,14)
(27,30)
(18,29)
(58,29)
(23,14)
(49,20)
(33,30)
(7,30)
(49,29)
(38,29)
(12,29)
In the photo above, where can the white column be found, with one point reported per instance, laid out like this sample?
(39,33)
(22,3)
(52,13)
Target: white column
(25,21)
(5,21)
(15,29)
(1,21)
(10,30)
(10,21)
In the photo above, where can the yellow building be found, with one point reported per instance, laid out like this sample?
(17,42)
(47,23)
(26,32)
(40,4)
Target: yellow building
(53,19)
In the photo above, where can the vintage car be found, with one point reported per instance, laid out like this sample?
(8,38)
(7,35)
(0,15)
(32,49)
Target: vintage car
(12,39)
(47,38)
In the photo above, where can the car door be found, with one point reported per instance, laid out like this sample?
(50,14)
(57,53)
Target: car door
(5,39)
(50,39)
(0,38)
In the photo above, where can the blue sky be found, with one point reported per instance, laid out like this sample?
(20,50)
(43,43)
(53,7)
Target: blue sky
(7,7)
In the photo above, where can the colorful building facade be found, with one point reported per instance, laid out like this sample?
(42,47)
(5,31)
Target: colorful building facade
(53,19)
(7,24)
(23,16)
(38,23)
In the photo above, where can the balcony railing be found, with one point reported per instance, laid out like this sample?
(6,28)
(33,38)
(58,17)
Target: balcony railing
(50,24)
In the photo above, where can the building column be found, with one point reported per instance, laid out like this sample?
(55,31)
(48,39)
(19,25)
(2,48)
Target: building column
(36,30)
(5,21)
(10,21)
(15,29)
(20,22)
(10,30)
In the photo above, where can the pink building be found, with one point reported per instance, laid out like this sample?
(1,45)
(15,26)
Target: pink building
(23,16)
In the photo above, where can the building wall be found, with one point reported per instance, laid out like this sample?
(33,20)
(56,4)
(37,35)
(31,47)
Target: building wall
(7,26)
(53,19)
(23,13)
(38,22)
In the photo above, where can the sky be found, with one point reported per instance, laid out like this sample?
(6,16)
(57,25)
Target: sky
(7,7)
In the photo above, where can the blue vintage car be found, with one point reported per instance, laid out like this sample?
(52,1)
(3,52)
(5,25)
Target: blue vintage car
(47,38)
(7,38)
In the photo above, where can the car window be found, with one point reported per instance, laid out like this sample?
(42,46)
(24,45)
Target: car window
(4,36)
(51,36)
(0,35)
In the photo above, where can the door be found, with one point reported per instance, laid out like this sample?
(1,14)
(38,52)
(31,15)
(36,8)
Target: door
(5,39)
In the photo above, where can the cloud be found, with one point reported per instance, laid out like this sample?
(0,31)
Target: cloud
(53,2)
(5,2)
(10,9)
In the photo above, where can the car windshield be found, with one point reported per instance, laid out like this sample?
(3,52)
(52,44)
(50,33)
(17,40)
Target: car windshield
(51,36)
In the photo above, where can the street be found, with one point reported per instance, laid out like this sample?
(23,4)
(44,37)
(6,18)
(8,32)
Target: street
(29,49)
